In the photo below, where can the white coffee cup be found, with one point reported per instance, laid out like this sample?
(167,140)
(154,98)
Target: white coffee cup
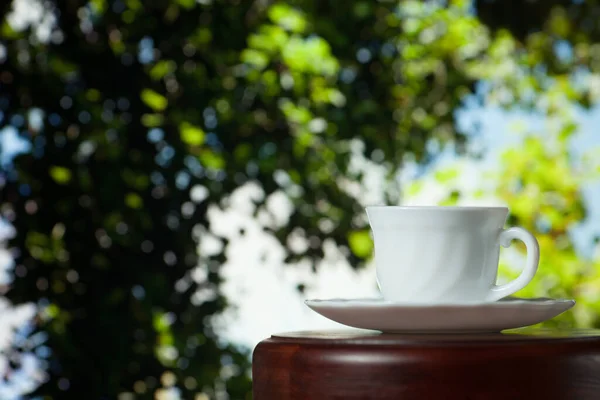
(433,255)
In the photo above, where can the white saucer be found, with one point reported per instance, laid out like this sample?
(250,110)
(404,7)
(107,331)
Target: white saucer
(385,316)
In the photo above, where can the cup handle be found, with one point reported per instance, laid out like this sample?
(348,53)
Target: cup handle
(531,265)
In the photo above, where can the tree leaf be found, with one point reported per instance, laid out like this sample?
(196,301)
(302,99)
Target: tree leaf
(360,243)
(61,175)
(191,135)
(154,100)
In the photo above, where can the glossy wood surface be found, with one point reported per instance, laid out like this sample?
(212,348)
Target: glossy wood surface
(519,364)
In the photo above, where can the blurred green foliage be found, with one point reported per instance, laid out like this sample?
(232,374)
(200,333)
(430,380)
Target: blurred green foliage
(544,188)
(143,103)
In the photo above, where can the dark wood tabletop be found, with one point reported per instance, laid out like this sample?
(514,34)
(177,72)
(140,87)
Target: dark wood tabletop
(354,364)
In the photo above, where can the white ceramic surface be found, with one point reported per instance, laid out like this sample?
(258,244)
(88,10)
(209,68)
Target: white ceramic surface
(437,255)
(385,316)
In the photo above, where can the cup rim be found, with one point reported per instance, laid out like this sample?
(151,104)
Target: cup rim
(438,208)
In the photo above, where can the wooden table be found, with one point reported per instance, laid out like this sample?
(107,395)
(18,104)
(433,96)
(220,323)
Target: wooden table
(520,364)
